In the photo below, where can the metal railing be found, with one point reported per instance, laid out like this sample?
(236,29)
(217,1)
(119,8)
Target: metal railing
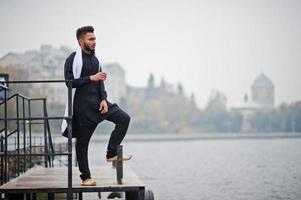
(49,152)
(48,146)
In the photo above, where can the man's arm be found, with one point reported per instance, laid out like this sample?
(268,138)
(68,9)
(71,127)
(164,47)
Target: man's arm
(103,92)
(103,106)
(69,74)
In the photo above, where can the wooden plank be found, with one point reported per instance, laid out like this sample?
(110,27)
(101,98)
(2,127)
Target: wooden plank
(55,180)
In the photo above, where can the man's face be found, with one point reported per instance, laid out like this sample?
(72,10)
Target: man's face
(88,41)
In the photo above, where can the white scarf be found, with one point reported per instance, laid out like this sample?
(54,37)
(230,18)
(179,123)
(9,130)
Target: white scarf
(76,69)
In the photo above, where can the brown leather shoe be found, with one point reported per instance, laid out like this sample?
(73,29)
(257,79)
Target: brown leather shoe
(125,158)
(88,182)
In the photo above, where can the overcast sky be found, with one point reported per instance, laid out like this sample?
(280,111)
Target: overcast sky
(214,44)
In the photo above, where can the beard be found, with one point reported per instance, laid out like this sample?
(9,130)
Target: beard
(88,48)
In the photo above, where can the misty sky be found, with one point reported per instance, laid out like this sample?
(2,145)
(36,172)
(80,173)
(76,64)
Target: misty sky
(214,44)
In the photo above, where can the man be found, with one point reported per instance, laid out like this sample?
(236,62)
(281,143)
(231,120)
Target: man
(90,105)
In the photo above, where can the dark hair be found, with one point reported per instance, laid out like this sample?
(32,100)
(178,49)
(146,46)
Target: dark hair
(83,30)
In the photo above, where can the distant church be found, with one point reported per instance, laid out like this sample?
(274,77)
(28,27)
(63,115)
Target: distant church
(262,91)
(262,94)
(262,99)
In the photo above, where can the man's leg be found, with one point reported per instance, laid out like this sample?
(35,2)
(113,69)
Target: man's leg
(121,120)
(82,143)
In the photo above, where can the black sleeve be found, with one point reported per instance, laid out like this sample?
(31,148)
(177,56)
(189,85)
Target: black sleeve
(103,92)
(69,74)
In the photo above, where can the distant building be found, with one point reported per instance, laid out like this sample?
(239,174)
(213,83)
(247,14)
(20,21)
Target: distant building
(262,99)
(47,63)
(263,91)
(152,91)
(166,87)
(115,84)
(11,59)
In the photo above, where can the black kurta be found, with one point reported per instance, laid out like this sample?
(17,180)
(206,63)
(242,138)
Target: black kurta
(88,93)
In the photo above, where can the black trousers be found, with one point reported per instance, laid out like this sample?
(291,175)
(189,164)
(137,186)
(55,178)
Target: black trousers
(121,120)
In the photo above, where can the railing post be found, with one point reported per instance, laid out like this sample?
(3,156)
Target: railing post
(29,129)
(69,126)
(18,135)
(45,135)
(24,134)
(2,160)
(51,149)
(5,144)
(119,164)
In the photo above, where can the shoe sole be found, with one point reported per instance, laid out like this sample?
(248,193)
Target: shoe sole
(124,159)
(94,184)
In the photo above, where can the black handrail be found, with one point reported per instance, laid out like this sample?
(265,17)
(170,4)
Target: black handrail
(46,126)
(24,131)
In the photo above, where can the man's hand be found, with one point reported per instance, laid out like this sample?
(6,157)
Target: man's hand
(103,107)
(98,76)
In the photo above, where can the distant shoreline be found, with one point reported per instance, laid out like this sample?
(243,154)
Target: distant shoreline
(166,137)
(190,137)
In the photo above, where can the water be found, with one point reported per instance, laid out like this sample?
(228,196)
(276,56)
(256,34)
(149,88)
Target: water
(215,169)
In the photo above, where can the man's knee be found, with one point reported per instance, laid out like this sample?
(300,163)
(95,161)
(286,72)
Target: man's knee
(126,118)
